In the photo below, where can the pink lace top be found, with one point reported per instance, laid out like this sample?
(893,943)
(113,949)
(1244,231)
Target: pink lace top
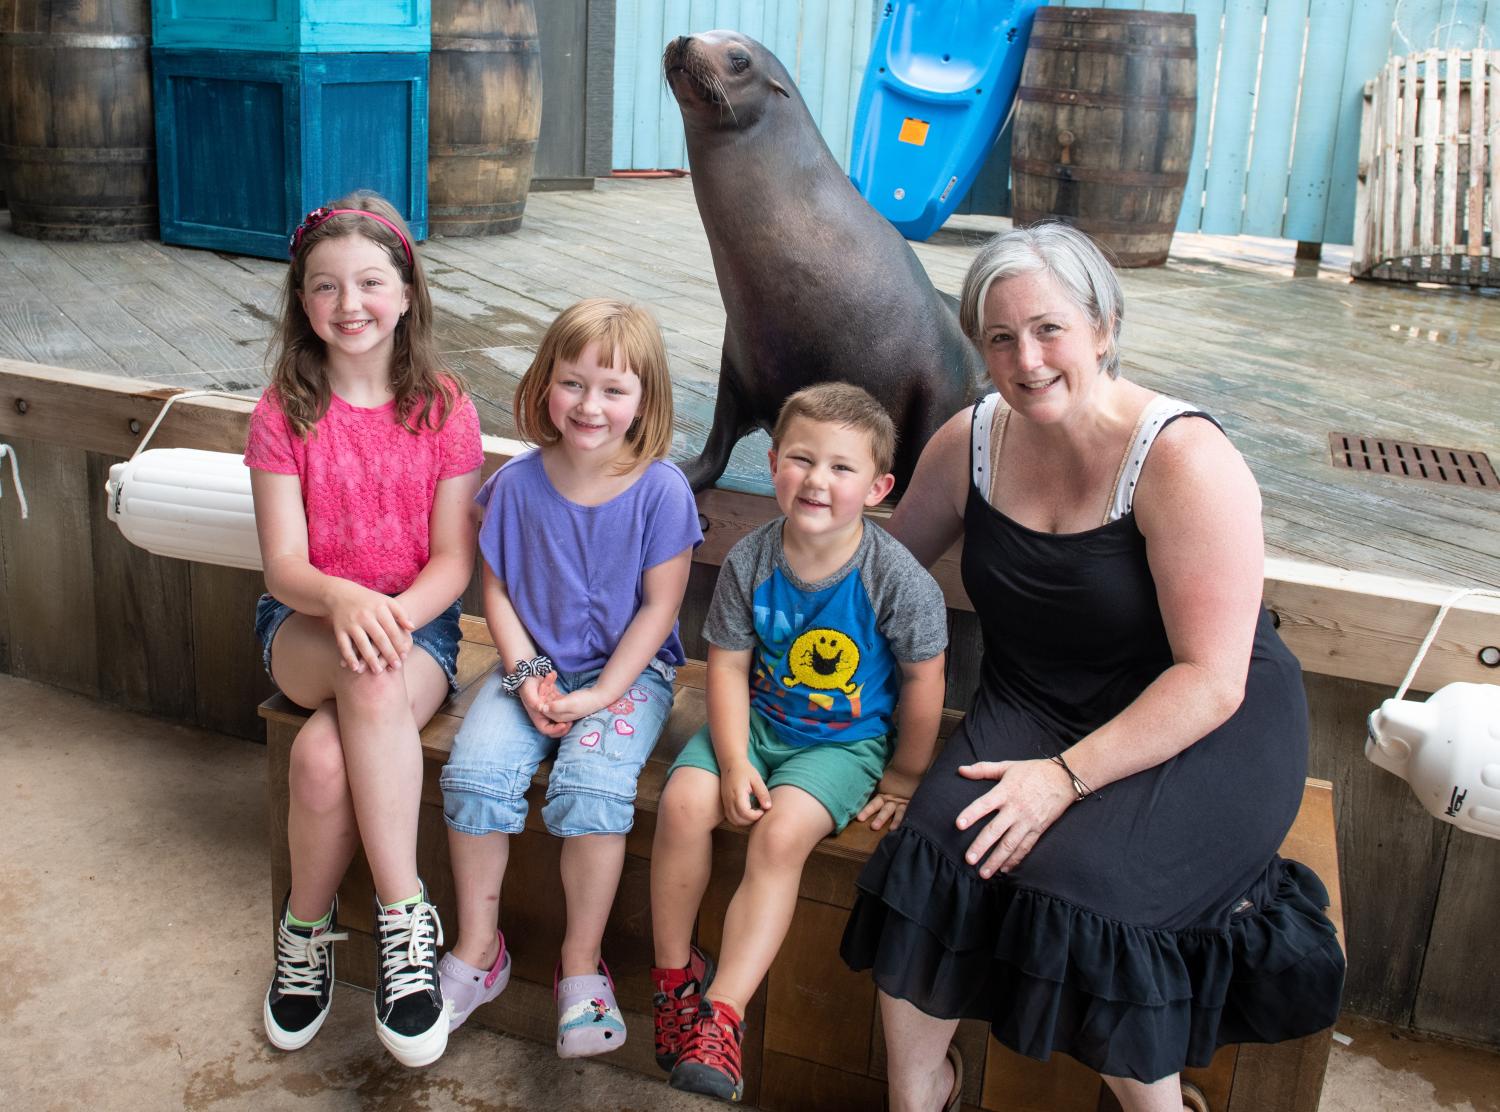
(367,483)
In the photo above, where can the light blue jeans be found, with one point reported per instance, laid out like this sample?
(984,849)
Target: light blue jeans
(595,765)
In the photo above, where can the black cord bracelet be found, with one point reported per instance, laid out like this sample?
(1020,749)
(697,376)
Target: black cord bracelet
(1080,789)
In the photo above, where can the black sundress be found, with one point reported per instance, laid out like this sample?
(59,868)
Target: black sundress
(1150,925)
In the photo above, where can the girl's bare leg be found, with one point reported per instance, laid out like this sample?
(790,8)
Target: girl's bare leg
(591,865)
(479,862)
(378,715)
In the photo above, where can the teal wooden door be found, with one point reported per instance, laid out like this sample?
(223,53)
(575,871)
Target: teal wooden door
(1276,148)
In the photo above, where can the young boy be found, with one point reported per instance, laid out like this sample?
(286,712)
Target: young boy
(818,621)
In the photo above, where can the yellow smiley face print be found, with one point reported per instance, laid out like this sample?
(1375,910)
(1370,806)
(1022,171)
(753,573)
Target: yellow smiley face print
(824,659)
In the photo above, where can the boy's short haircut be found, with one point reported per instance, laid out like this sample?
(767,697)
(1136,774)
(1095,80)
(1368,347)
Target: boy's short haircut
(839,403)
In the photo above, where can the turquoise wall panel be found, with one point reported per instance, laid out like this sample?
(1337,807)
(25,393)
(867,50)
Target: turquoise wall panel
(824,44)
(1280,89)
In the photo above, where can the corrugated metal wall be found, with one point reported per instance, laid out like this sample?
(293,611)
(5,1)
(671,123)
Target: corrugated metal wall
(1280,81)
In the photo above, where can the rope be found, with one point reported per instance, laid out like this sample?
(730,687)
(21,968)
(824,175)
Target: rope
(1442,613)
(141,447)
(15,473)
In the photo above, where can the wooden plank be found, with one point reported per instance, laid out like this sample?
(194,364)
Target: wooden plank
(228,675)
(1447,237)
(1410,118)
(1223,208)
(793,1085)
(1369,187)
(1431,124)
(1327,615)
(1492,132)
(1269,172)
(1391,154)
(49,580)
(1368,46)
(1390,854)
(1317,120)
(1474,195)
(1015,1083)
(1460,980)
(1284,1076)
(142,615)
(817,1009)
(48,336)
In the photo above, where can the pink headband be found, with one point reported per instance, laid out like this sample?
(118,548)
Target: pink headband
(319,215)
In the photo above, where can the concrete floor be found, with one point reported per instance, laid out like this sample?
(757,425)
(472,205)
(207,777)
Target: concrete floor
(136,952)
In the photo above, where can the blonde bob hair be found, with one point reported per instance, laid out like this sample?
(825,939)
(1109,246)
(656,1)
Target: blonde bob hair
(626,333)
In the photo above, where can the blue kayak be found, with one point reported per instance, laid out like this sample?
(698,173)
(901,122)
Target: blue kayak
(940,82)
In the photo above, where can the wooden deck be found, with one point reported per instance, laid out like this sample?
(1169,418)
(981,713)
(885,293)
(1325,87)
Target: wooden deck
(1282,352)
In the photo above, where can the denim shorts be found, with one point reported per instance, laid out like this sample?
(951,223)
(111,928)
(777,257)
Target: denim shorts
(439,638)
(595,764)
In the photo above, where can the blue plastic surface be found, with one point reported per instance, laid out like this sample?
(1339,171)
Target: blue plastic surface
(247,143)
(308,26)
(940,82)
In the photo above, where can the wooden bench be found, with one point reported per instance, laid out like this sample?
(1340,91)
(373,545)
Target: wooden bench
(813,1038)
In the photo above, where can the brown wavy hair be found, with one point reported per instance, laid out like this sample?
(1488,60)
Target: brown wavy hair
(627,331)
(426,389)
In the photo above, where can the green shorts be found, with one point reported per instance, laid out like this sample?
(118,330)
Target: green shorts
(841,777)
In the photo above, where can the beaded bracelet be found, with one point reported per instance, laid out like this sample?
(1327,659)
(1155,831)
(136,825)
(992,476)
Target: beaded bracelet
(537,666)
(1080,789)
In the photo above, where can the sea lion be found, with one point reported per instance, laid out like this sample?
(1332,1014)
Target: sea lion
(816,284)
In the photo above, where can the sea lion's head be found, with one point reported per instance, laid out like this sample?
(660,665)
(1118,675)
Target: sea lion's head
(723,80)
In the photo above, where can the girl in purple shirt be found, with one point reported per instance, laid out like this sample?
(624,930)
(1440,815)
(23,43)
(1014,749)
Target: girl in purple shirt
(587,542)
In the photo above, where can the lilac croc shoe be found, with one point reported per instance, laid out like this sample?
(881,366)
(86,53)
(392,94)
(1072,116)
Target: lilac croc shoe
(589,1021)
(467,987)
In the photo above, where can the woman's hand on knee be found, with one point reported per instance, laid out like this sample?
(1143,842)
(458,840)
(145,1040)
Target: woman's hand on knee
(1026,800)
(371,629)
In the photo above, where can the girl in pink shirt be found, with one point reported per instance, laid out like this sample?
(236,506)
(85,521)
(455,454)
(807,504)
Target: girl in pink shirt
(364,456)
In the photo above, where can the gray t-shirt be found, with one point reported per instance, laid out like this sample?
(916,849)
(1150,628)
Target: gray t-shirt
(826,665)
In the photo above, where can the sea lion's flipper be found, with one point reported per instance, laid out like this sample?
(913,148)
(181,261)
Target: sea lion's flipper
(732,420)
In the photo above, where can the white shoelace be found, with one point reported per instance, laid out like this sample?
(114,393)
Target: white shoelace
(407,950)
(302,962)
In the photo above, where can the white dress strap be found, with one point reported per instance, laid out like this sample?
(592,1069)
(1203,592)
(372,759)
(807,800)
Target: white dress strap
(979,441)
(1153,419)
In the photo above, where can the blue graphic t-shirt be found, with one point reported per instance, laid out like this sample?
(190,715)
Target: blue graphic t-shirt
(826,659)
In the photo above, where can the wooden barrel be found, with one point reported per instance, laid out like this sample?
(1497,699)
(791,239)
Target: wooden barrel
(1104,126)
(484,115)
(77,146)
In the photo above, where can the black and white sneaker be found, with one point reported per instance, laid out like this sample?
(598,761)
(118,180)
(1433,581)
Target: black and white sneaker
(411,1017)
(302,987)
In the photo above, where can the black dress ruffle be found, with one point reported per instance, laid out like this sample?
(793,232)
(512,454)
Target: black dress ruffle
(1124,1000)
(1147,926)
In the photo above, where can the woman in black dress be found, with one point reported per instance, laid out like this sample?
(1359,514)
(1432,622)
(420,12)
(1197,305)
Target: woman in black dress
(1091,864)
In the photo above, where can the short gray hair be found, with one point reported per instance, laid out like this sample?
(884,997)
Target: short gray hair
(1075,263)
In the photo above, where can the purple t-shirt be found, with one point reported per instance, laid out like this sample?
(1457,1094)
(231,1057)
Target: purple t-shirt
(574,572)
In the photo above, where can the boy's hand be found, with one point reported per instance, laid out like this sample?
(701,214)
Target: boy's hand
(744,794)
(888,804)
(534,696)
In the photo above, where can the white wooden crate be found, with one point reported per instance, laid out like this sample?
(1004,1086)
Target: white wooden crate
(1427,209)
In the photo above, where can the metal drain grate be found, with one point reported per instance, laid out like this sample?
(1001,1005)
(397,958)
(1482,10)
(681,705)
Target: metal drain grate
(1454,466)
